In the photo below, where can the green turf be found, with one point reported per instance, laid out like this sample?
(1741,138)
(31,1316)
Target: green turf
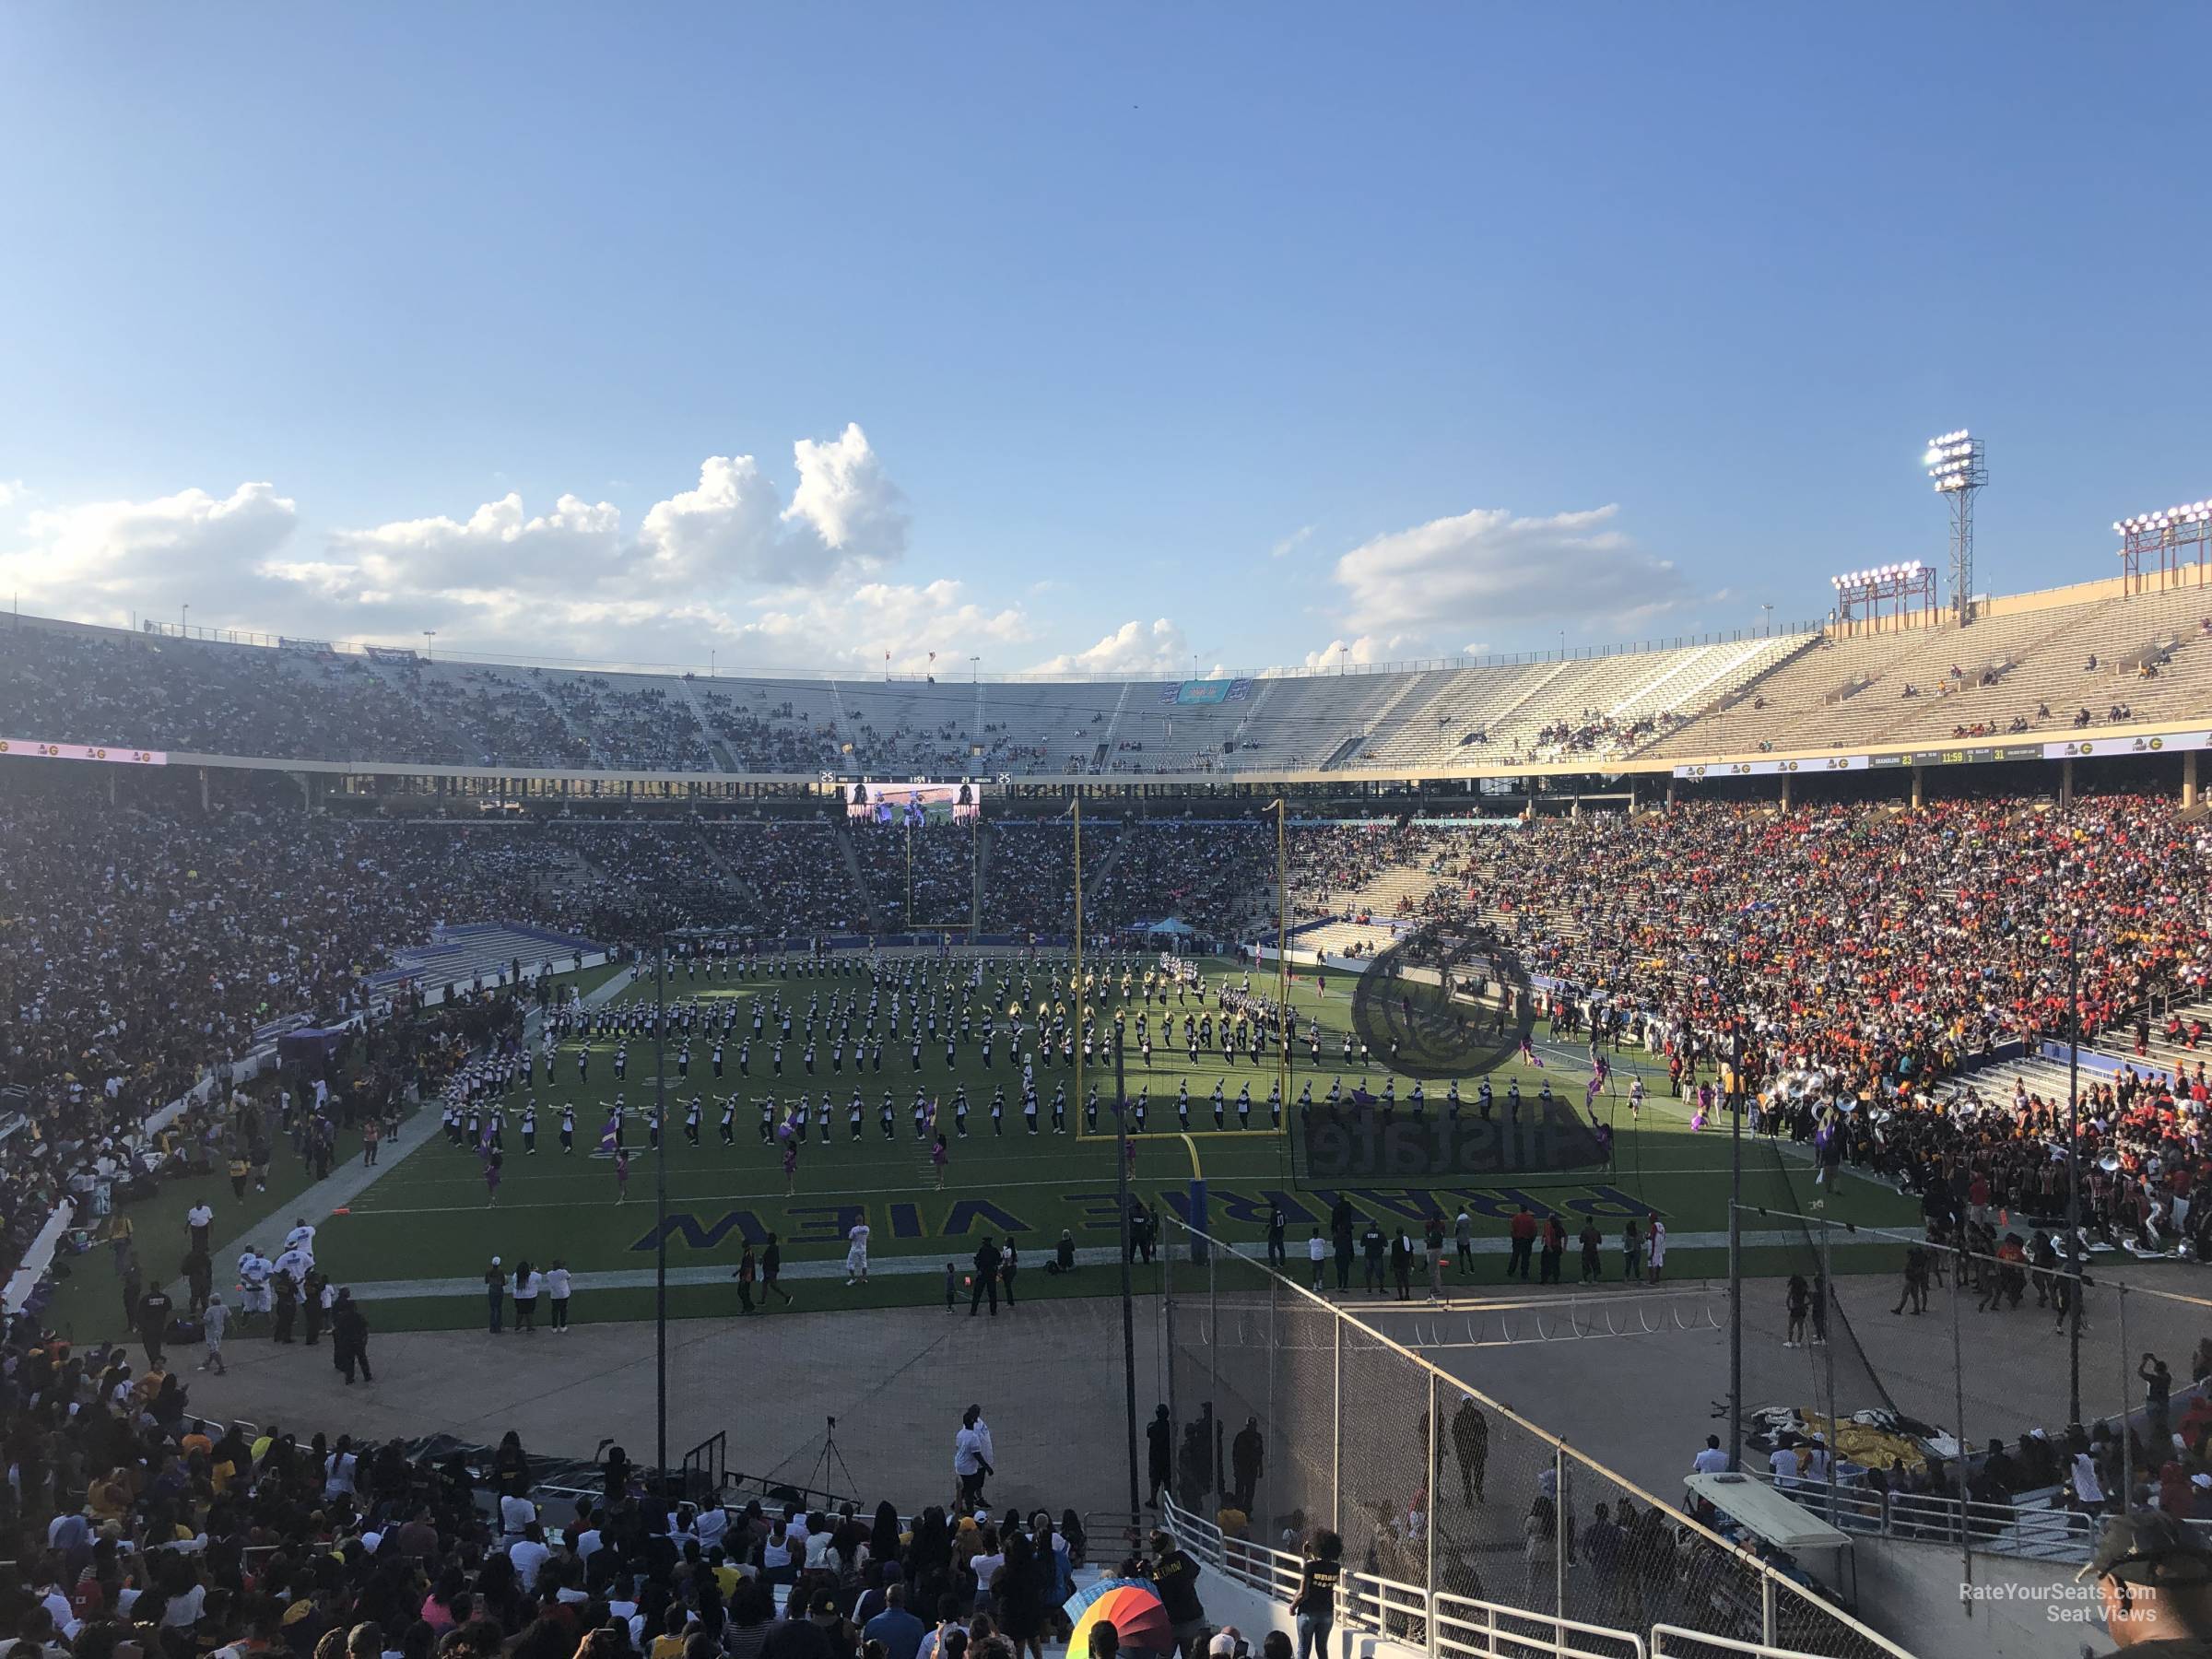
(427,1218)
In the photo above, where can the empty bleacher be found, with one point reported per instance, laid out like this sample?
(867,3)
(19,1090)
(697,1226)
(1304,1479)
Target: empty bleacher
(2083,666)
(1851,692)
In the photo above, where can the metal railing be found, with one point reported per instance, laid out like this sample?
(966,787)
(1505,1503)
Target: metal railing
(2045,1528)
(706,1467)
(1671,1641)
(1437,1488)
(1461,1626)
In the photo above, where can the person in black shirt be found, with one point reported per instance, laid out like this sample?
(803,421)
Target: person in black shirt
(987,1259)
(1247,1455)
(1315,1604)
(1371,1249)
(349,1339)
(1177,1576)
(153,1322)
(1159,1449)
(1471,1444)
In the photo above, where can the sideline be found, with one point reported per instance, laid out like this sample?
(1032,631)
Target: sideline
(1095,1255)
(337,1190)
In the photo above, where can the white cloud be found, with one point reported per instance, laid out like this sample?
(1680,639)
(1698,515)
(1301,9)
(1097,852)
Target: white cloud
(575,583)
(496,547)
(1132,648)
(10,489)
(726,566)
(877,626)
(729,526)
(1488,569)
(1292,542)
(104,560)
(1356,652)
(846,518)
(847,502)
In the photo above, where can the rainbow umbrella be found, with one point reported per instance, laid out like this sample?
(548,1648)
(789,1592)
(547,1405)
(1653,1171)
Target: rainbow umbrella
(1131,1606)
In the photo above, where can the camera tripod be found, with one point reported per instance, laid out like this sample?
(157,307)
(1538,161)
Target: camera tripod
(829,1461)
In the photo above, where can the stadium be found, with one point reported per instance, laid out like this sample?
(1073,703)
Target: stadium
(570,993)
(803,1067)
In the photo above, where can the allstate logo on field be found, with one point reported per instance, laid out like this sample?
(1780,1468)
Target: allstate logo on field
(1440,1006)
(1363,1146)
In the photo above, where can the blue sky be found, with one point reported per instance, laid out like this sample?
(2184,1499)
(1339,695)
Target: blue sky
(1214,334)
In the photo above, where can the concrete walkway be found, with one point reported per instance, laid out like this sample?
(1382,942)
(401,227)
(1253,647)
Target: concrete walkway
(894,1380)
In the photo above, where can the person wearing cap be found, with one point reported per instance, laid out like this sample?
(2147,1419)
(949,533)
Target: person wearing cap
(820,1633)
(495,1293)
(1226,1641)
(1176,1575)
(2155,1576)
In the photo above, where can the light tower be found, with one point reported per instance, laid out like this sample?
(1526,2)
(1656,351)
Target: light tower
(1955,462)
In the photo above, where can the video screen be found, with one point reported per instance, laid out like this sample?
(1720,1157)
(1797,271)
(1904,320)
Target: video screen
(867,801)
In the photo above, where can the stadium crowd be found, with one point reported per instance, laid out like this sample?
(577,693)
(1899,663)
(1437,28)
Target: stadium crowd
(1879,949)
(933,863)
(66,686)
(137,1529)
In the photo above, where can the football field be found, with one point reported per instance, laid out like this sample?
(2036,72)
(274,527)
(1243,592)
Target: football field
(417,1241)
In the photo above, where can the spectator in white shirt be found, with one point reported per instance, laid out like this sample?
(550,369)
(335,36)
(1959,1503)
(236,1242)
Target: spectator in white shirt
(557,1293)
(1816,1461)
(529,1553)
(516,1517)
(337,1470)
(1713,1460)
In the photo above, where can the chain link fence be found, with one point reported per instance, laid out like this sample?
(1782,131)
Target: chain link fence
(1291,1415)
(1958,1397)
